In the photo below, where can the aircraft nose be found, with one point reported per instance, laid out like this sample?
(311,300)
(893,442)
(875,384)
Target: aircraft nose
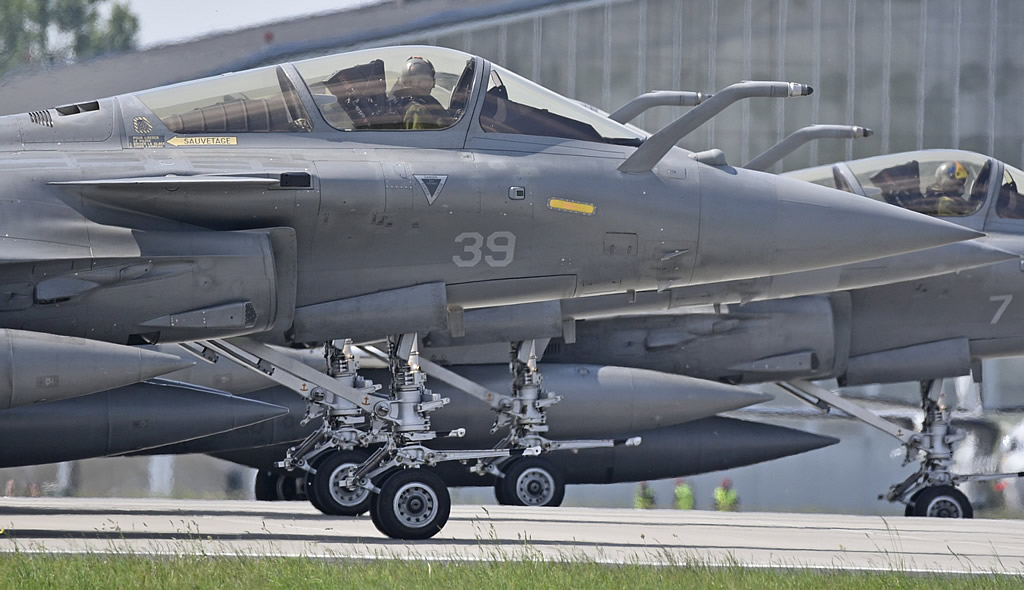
(789,226)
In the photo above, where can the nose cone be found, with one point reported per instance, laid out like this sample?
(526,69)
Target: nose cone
(754,224)
(39,367)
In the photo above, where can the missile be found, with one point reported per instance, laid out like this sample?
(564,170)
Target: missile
(36,367)
(131,418)
(598,402)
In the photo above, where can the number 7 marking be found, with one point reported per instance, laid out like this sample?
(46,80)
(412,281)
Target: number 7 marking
(1006,299)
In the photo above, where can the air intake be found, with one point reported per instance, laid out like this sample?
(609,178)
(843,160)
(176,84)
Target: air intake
(74,109)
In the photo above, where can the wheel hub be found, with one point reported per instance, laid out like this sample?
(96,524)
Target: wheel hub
(415,505)
(944,507)
(535,487)
(342,494)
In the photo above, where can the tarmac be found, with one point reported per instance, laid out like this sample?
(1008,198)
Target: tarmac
(657,537)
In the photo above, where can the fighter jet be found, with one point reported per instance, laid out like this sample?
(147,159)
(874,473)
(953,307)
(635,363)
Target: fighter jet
(371,195)
(923,330)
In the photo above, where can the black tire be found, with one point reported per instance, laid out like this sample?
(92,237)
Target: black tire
(943,502)
(909,509)
(265,488)
(532,481)
(412,504)
(499,491)
(373,512)
(287,488)
(325,492)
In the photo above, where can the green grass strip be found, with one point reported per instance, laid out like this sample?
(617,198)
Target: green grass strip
(83,572)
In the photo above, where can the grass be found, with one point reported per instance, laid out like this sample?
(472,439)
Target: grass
(82,572)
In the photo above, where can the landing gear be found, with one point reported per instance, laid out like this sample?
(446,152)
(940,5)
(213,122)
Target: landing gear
(327,490)
(931,490)
(530,481)
(412,504)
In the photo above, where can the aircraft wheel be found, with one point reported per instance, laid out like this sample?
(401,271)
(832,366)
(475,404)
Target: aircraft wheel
(265,488)
(943,502)
(499,491)
(412,504)
(287,488)
(532,481)
(326,492)
(373,512)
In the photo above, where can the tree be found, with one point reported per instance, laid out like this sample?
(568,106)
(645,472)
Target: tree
(48,31)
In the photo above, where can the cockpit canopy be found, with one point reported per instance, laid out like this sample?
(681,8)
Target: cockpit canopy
(942,183)
(391,88)
(255,101)
(394,88)
(516,105)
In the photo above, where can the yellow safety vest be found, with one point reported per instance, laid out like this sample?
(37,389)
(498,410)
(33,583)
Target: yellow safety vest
(684,497)
(725,500)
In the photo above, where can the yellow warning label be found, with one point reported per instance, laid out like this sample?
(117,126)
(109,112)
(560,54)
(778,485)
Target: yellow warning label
(191,141)
(572,206)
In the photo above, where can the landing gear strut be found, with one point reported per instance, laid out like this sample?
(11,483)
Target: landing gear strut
(530,481)
(410,503)
(404,501)
(524,413)
(931,491)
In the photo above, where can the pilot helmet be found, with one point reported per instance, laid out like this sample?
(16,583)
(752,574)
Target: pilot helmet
(951,177)
(417,75)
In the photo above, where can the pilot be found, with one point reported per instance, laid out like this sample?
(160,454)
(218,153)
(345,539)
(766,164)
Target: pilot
(945,196)
(418,109)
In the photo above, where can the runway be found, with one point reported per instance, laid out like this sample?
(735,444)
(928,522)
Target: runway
(161,527)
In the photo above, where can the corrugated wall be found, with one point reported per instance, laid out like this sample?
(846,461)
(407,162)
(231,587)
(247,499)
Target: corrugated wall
(921,73)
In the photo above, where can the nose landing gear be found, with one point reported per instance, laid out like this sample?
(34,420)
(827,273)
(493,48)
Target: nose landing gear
(931,491)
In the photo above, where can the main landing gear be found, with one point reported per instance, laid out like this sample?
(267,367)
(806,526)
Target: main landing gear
(404,501)
(931,491)
(530,480)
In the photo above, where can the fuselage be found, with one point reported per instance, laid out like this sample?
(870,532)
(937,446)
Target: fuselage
(269,201)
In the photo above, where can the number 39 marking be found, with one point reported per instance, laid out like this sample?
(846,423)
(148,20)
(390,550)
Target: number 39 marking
(497,250)
(1005,299)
